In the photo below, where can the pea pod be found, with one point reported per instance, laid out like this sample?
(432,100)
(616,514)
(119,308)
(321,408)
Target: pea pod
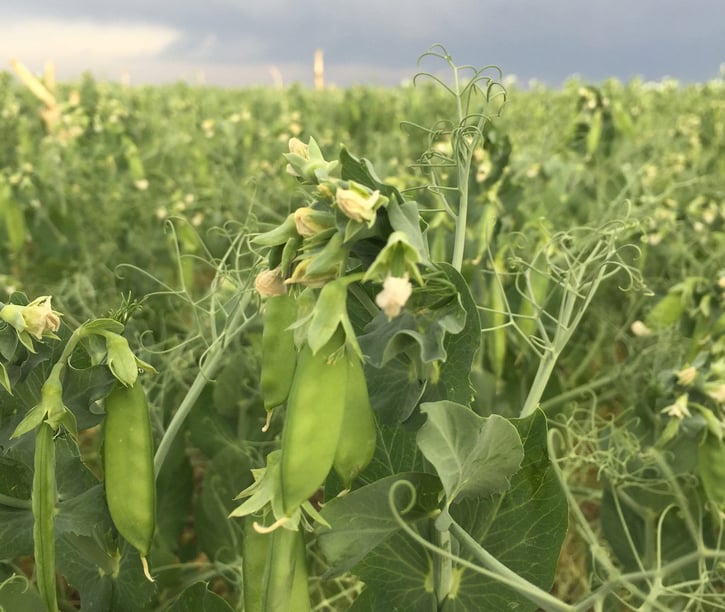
(285,576)
(43,501)
(315,410)
(129,466)
(255,551)
(278,350)
(711,468)
(356,445)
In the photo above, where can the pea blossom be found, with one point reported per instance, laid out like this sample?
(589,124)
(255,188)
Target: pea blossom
(395,293)
(37,318)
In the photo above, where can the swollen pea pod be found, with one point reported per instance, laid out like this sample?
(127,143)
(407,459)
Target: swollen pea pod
(356,446)
(129,467)
(255,551)
(315,410)
(711,469)
(43,502)
(285,575)
(279,355)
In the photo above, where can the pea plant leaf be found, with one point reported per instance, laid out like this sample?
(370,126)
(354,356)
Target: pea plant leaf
(226,474)
(107,579)
(523,527)
(399,573)
(199,597)
(454,383)
(363,519)
(361,171)
(393,395)
(473,456)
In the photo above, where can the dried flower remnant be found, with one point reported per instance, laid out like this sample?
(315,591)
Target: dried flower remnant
(269,283)
(395,294)
(640,329)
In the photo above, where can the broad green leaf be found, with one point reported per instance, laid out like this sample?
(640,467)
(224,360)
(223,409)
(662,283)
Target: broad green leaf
(225,475)
(174,492)
(82,388)
(399,574)
(84,513)
(474,456)
(17,594)
(396,451)
(523,527)
(106,579)
(455,380)
(16,532)
(98,326)
(363,519)
(199,597)
(362,171)
(405,217)
(5,379)
(16,478)
(393,394)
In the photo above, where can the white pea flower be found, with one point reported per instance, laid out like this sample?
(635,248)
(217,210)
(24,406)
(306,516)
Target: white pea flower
(395,293)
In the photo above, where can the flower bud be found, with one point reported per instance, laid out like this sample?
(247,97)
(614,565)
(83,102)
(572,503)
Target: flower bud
(395,294)
(310,222)
(269,283)
(37,318)
(358,203)
(687,376)
(297,147)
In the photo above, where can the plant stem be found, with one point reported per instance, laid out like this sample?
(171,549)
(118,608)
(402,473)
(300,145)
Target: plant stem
(545,600)
(444,566)
(207,370)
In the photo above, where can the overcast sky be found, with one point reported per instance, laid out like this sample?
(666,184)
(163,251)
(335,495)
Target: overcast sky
(241,42)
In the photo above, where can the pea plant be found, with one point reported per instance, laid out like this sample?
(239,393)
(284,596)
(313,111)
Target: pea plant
(443,508)
(402,441)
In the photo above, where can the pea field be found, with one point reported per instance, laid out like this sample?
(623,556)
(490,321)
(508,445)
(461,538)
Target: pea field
(456,345)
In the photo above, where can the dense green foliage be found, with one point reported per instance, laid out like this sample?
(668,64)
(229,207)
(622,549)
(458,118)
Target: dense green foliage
(149,193)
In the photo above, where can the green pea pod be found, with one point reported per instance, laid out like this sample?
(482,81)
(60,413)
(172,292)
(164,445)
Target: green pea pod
(129,466)
(285,576)
(43,501)
(666,312)
(356,446)
(255,551)
(711,468)
(315,410)
(279,355)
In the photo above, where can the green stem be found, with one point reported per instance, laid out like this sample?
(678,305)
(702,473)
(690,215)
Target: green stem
(444,566)
(44,498)
(14,502)
(461,217)
(207,370)
(588,387)
(545,600)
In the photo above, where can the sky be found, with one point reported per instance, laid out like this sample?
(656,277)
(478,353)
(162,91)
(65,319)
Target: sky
(377,42)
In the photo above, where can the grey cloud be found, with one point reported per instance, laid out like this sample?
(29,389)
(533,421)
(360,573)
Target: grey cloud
(547,40)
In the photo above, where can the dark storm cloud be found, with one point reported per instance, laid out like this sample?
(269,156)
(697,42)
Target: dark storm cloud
(530,38)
